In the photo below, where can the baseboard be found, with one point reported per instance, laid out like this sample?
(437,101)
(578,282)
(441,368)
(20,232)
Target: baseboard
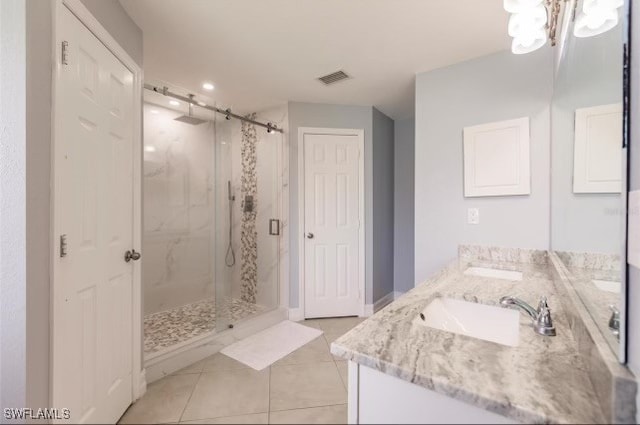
(159,365)
(296,314)
(371,309)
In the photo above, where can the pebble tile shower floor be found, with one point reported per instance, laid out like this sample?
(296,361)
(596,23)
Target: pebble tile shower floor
(307,386)
(167,328)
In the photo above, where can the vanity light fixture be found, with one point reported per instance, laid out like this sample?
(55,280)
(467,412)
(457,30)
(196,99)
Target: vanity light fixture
(534,22)
(208,86)
(596,17)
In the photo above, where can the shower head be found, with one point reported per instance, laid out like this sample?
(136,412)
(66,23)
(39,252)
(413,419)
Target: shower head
(190,119)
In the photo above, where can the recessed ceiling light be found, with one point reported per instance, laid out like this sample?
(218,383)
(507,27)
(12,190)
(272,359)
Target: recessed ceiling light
(174,103)
(154,111)
(208,86)
(150,148)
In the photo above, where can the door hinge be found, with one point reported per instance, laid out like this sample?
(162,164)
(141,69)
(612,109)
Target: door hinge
(65,53)
(63,246)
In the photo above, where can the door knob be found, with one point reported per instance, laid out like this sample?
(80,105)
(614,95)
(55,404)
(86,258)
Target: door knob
(131,255)
(309,235)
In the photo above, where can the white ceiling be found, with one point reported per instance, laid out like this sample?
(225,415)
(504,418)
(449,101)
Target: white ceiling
(261,53)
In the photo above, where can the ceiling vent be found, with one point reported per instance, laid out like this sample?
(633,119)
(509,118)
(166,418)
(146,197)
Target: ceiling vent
(334,77)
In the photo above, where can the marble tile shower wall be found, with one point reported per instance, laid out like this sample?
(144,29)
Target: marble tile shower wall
(268,171)
(178,211)
(249,206)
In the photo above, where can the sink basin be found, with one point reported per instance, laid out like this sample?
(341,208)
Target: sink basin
(494,273)
(495,324)
(608,285)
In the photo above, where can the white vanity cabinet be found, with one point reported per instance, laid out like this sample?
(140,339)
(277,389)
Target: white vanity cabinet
(378,398)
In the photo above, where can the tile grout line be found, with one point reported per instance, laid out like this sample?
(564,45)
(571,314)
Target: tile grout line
(190,395)
(310,407)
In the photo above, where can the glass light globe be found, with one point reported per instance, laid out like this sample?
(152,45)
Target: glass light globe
(527,43)
(598,21)
(527,22)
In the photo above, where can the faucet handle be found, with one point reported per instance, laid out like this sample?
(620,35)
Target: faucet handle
(544,323)
(542,304)
(614,321)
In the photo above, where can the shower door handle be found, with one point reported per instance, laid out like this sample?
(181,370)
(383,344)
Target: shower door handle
(274,227)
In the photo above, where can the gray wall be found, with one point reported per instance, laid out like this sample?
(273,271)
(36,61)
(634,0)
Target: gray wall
(13,280)
(492,88)
(113,17)
(584,79)
(329,116)
(38,152)
(633,279)
(383,187)
(403,234)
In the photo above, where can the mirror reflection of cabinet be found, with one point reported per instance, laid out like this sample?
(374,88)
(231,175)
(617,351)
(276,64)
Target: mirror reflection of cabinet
(597,160)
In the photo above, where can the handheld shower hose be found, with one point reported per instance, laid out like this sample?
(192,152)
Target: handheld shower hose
(230,257)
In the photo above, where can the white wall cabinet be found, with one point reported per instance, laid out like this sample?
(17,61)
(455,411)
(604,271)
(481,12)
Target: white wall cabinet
(378,398)
(597,160)
(496,159)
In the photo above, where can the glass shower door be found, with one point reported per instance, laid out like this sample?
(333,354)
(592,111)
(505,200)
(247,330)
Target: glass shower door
(246,235)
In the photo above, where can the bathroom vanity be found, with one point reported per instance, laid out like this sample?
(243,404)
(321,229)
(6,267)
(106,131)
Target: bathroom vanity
(475,361)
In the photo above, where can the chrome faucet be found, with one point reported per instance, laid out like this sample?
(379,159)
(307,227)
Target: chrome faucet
(541,317)
(614,321)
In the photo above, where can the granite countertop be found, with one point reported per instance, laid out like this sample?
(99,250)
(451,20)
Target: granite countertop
(542,380)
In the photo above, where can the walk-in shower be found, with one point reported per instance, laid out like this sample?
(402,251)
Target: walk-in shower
(210,262)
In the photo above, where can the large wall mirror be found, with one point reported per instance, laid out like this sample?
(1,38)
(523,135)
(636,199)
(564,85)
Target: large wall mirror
(589,175)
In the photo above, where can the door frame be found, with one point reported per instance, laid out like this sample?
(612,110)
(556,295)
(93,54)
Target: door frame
(83,14)
(302,131)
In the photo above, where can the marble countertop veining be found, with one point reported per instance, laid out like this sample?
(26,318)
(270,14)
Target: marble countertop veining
(542,380)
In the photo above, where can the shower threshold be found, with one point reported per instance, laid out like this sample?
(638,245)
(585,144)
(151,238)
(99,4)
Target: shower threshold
(169,328)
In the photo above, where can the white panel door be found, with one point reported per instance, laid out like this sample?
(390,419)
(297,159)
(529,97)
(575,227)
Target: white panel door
(92,314)
(331,216)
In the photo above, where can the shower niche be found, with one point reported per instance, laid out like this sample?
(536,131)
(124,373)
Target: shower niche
(210,188)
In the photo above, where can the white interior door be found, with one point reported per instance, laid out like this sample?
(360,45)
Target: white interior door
(332,251)
(93,207)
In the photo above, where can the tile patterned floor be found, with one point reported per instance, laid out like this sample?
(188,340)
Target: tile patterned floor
(170,327)
(308,386)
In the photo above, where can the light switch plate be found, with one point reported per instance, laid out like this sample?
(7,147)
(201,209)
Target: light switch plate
(473,216)
(633,236)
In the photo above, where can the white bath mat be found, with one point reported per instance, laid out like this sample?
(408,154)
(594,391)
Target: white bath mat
(270,345)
